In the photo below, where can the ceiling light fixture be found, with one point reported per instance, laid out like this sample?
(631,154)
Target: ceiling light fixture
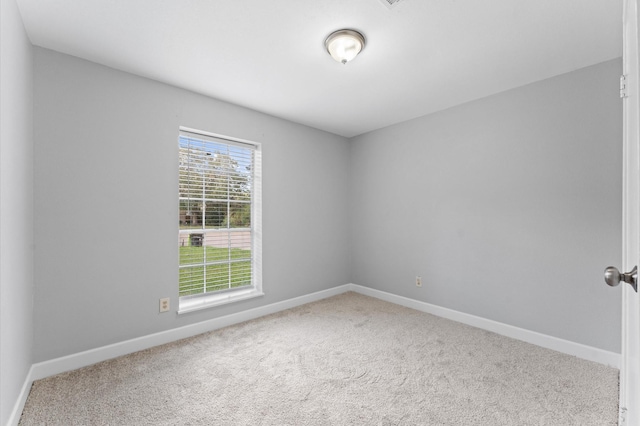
(344,45)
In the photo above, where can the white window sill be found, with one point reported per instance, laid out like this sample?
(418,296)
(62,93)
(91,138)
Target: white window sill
(209,301)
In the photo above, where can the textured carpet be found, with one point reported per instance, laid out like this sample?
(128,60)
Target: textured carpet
(346,360)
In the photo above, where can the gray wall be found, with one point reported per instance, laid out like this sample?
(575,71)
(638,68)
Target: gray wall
(509,207)
(105,196)
(16,207)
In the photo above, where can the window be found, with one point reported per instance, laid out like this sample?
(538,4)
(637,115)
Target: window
(219,235)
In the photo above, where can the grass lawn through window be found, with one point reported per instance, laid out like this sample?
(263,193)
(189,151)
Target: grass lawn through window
(231,269)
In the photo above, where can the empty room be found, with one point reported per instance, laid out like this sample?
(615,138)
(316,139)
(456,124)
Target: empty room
(366,212)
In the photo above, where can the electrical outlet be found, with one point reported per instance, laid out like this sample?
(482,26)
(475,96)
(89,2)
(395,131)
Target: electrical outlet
(164,304)
(418,281)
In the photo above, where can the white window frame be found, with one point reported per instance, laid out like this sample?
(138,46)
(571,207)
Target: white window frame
(193,303)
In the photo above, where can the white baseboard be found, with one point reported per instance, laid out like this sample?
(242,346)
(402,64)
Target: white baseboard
(93,356)
(14,418)
(82,359)
(589,353)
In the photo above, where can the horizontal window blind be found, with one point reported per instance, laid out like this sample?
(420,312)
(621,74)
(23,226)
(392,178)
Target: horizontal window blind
(216,196)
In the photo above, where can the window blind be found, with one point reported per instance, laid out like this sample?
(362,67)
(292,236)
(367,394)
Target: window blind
(216,207)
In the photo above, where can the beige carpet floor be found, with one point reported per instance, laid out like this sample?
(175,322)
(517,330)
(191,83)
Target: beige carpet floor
(346,360)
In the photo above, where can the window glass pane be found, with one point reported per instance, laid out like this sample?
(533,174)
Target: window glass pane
(240,243)
(191,250)
(191,281)
(217,246)
(241,274)
(239,215)
(217,277)
(239,186)
(191,169)
(217,177)
(190,214)
(215,214)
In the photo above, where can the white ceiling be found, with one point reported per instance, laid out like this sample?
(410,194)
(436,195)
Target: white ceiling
(421,55)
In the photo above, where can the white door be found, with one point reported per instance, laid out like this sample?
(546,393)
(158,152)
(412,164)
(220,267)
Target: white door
(630,362)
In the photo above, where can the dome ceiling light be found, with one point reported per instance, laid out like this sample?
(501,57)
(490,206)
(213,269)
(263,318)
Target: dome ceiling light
(344,45)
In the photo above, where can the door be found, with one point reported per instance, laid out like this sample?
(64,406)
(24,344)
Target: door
(630,361)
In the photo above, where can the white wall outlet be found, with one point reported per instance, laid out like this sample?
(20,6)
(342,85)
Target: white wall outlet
(418,281)
(165,305)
